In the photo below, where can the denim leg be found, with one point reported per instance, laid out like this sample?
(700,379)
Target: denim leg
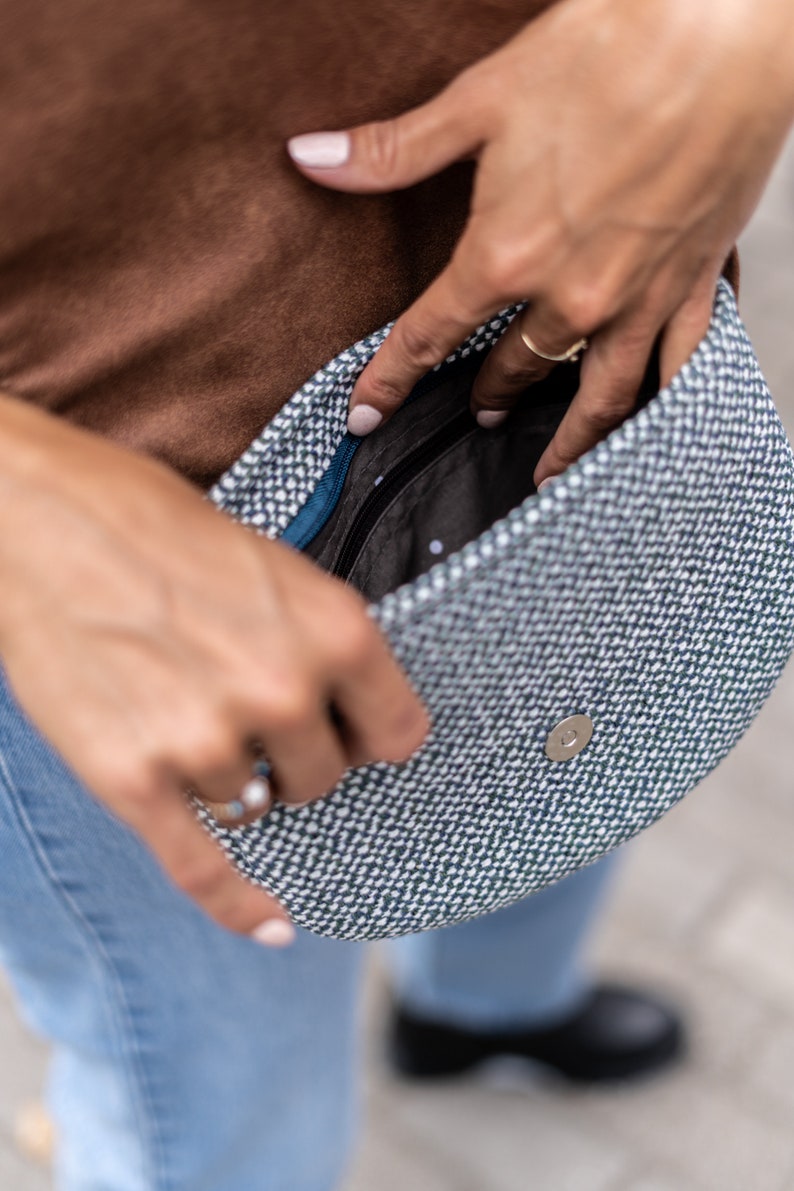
(186,1058)
(519,966)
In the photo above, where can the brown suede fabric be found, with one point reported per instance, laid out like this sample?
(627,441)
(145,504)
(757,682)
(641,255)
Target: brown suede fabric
(166,277)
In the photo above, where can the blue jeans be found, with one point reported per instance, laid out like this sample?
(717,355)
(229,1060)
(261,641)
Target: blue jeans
(190,1059)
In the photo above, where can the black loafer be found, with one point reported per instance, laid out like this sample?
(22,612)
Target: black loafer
(617,1034)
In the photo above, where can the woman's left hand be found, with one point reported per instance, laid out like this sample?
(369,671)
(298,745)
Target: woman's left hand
(620,149)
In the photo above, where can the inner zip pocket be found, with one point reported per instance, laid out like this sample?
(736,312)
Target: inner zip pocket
(392,484)
(430,480)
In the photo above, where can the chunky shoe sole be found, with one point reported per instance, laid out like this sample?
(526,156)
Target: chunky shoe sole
(618,1034)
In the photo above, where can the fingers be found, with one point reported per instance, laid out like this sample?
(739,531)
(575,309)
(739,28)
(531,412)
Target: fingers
(615,364)
(229,786)
(303,757)
(306,754)
(421,338)
(391,154)
(512,365)
(381,717)
(346,659)
(613,368)
(385,156)
(686,328)
(342,700)
(198,867)
(481,278)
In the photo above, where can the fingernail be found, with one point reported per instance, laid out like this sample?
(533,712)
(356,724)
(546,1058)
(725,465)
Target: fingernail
(320,150)
(543,483)
(490,418)
(274,932)
(363,419)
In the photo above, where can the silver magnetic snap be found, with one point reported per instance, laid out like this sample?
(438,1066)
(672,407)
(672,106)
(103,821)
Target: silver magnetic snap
(569,737)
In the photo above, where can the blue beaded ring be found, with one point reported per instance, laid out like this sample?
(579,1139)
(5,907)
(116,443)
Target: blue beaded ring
(256,795)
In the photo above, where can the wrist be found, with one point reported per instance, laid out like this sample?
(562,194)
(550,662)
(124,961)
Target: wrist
(25,437)
(48,473)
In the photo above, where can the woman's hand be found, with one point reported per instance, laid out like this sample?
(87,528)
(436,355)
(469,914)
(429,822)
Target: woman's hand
(153,640)
(620,148)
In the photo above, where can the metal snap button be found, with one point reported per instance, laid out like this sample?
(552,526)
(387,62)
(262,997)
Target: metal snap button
(569,737)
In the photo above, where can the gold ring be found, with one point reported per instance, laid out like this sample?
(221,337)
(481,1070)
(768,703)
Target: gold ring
(571,354)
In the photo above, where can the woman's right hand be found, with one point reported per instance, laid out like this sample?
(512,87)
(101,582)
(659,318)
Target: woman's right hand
(152,639)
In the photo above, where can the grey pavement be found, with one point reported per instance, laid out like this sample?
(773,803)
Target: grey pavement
(703,910)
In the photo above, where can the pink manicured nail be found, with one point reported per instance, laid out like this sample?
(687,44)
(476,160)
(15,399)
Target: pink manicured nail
(489,419)
(363,419)
(320,150)
(543,483)
(275,932)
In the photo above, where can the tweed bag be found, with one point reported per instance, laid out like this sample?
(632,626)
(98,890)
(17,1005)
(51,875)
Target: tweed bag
(587,654)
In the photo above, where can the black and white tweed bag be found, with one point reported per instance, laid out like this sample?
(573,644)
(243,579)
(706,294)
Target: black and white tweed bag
(649,590)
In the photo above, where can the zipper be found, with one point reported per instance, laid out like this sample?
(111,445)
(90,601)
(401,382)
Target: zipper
(400,475)
(311,519)
(314,515)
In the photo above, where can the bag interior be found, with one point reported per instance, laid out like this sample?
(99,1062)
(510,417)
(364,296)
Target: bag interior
(430,479)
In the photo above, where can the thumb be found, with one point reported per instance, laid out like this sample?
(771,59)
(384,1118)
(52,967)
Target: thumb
(390,154)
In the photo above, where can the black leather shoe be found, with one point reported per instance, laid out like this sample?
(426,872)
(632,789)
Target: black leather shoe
(617,1033)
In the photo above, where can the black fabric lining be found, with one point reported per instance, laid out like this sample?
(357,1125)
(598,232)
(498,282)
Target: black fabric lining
(444,479)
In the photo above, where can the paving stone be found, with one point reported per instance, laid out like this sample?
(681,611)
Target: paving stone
(507,1142)
(658,1182)
(753,941)
(769,1072)
(671,880)
(702,1131)
(395,1163)
(744,816)
(24,1061)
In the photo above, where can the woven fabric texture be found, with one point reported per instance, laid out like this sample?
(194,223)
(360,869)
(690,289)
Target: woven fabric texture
(650,587)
